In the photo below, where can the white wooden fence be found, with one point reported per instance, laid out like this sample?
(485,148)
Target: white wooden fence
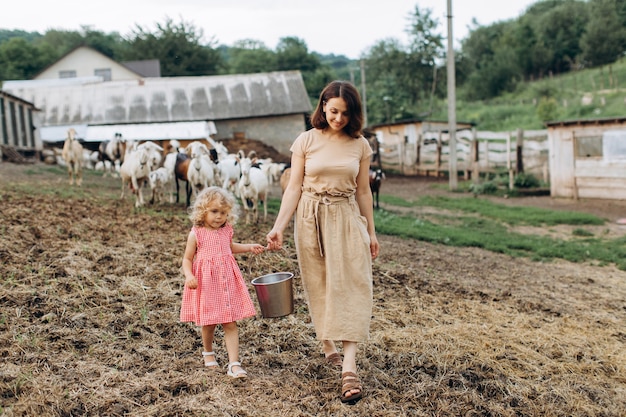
(478,152)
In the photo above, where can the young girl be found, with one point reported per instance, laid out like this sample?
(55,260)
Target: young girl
(215,291)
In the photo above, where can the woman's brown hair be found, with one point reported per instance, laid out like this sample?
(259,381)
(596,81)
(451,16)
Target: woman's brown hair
(346,91)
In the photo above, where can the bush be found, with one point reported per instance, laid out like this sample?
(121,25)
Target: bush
(488,187)
(523,180)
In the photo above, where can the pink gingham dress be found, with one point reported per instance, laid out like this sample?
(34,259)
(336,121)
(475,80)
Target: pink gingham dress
(221,295)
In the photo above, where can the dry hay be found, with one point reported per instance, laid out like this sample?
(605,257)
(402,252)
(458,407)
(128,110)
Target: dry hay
(91,288)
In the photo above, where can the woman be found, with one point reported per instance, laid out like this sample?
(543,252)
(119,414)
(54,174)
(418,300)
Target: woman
(334,227)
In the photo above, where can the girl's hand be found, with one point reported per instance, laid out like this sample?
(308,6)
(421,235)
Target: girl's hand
(191,282)
(256,248)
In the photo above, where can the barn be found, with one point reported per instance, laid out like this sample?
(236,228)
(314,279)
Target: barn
(588,158)
(108,98)
(19,120)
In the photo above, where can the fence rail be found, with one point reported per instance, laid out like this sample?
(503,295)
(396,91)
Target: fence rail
(478,152)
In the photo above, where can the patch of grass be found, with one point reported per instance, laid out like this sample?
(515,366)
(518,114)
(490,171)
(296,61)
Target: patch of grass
(492,235)
(531,216)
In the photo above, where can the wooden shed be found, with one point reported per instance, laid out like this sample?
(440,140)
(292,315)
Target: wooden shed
(588,158)
(19,120)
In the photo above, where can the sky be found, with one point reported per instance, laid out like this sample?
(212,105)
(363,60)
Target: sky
(340,27)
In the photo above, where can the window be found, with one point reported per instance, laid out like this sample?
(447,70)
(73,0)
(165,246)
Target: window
(610,146)
(67,74)
(589,146)
(105,73)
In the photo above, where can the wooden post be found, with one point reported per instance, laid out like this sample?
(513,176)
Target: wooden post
(439,151)
(575,155)
(520,150)
(476,158)
(509,165)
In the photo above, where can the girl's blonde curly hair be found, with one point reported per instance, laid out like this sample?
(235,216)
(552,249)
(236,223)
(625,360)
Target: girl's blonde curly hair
(209,196)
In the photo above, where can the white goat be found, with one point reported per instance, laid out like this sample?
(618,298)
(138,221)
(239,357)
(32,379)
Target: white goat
(73,157)
(253,188)
(228,168)
(272,171)
(154,154)
(135,171)
(200,173)
(159,179)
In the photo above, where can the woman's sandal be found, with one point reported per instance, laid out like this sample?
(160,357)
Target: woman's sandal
(350,381)
(241,373)
(334,360)
(211,364)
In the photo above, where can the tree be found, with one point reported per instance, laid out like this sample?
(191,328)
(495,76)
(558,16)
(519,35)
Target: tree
(604,39)
(401,79)
(19,60)
(249,56)
(293,54)
(178,48)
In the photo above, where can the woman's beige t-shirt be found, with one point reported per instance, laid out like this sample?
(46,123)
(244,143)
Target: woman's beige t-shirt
(330,165)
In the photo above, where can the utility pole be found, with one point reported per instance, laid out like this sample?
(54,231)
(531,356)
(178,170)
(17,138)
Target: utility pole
(364,98)
(451,104)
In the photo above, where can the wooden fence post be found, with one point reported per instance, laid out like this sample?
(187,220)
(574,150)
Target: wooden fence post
(439,151)
(476,159)
(509,165)
(520,150)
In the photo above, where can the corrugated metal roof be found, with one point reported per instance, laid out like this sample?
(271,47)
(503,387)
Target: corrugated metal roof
(170,99)
(137,132)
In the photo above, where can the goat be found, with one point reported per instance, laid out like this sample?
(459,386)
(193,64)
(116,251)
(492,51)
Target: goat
(135,171)
(376,177)
(73,156)
(230,171)
(158,180)
(253,188)
(181,168)
(200,173)
(113,151)
(228,168)
(284,178)
(273,170)
(154,154)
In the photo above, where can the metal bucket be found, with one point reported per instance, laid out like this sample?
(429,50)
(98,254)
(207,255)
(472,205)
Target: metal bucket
(275,294)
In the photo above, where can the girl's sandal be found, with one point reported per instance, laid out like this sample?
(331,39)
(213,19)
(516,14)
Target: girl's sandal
(241,373)
(350,381)
(212,364)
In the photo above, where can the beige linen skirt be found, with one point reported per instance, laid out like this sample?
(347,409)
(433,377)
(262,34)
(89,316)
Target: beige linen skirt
(332,244)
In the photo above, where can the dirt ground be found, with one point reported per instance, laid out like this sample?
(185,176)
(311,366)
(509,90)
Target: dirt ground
(90,290)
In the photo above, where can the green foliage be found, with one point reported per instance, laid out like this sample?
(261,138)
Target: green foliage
(488,187)
(525,180)
(547,109)
(178,48)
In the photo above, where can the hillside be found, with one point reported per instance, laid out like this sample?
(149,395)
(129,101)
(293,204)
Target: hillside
(583,94)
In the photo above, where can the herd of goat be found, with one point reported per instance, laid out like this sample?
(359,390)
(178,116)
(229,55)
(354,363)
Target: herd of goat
(196,165)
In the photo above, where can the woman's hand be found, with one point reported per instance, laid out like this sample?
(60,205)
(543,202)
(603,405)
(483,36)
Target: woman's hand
(374,246)
(274,240)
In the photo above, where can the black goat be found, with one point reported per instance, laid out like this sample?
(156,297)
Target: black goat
(376,178)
